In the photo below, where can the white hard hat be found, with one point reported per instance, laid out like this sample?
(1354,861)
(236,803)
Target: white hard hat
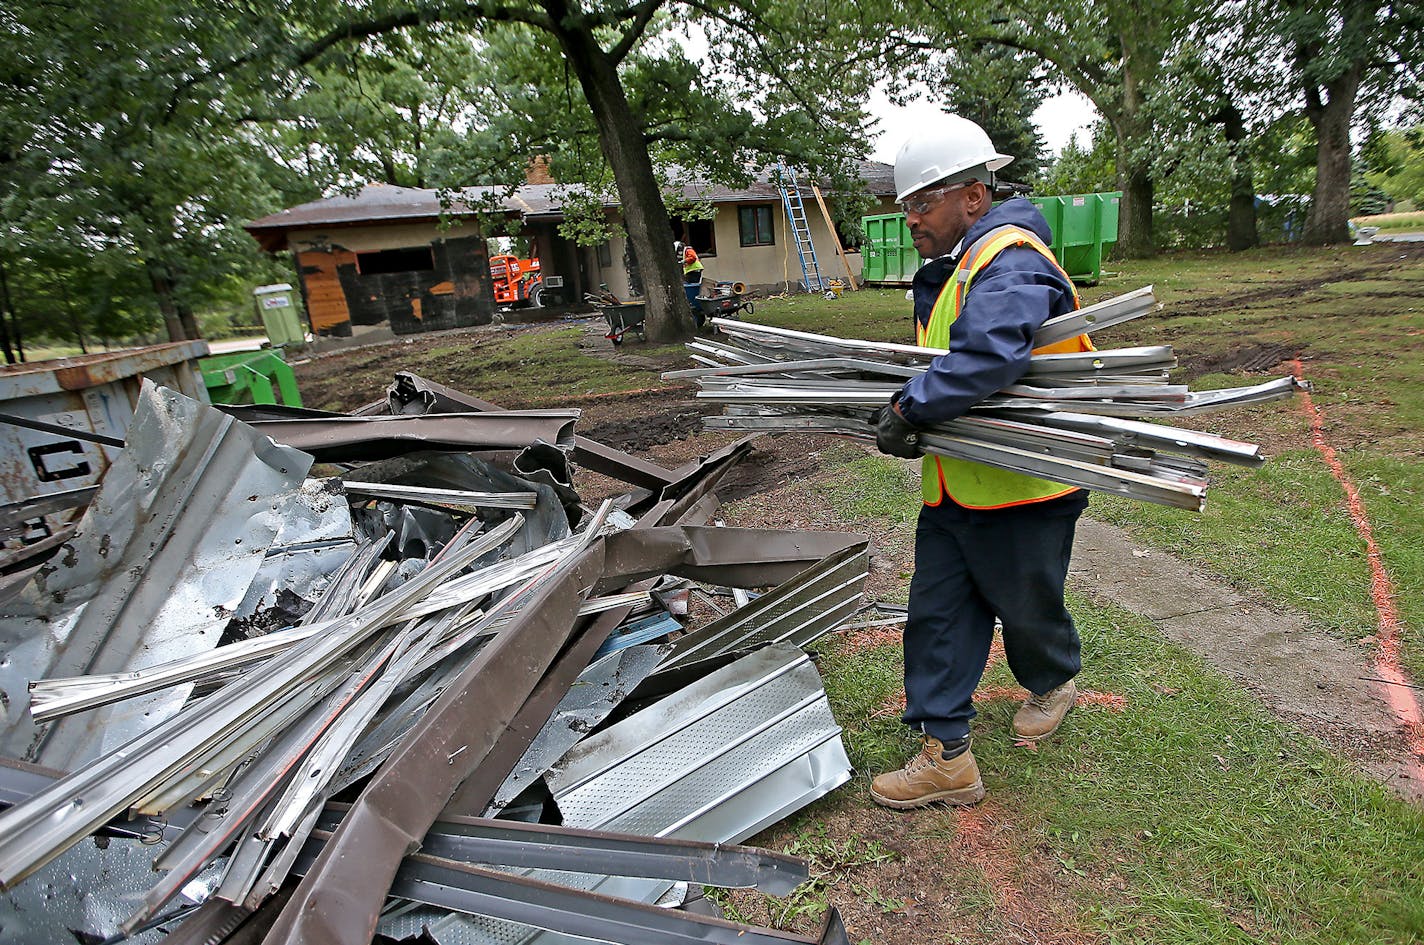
(945,147)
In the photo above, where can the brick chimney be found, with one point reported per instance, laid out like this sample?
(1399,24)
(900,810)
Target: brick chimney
(537,171)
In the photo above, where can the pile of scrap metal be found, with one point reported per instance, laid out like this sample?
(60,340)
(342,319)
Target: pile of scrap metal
(1070,419)
(428,696)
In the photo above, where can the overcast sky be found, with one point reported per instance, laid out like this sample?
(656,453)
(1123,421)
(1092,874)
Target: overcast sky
(1057,119)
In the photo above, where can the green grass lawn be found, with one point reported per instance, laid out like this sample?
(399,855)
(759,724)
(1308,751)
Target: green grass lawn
(1411,220)
(1191,816)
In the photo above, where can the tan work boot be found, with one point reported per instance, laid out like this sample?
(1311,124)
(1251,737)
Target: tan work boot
(928,778)
(1040,716)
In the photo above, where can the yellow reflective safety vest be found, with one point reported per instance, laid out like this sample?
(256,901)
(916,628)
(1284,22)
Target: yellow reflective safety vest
(974,485)
(690,262)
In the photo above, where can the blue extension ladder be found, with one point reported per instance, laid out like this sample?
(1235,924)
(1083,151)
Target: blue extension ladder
(801,231)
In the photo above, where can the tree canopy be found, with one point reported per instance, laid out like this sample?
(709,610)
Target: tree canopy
(136,137)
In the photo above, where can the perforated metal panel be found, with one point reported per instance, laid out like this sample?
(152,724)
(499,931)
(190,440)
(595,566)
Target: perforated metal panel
(799,611)
(706,761)
(733,753)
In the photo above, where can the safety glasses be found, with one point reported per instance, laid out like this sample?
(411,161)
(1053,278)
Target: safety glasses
(928,198)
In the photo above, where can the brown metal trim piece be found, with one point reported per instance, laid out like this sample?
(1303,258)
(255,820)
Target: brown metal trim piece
(413,396)
(694,482)
(358,439)
(410,390)
(474,795)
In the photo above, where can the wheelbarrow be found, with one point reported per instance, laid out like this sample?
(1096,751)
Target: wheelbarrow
(727,303)
(623,317)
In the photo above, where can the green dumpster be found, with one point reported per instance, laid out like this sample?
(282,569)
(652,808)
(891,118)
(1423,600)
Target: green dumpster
(1052,210)
(1084,227)
(277,308)
(250,377)
(888,255)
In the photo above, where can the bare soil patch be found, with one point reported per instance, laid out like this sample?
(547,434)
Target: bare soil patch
(639,422)
(1246,357)
(1408,254)
(936,868)
(347,378)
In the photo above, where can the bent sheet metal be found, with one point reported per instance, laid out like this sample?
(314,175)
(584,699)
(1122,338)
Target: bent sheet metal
(163,556)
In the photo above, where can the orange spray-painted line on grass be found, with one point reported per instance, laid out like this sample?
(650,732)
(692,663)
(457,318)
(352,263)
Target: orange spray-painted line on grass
(895,705)
(1397,686)
(868,638)
(996,653)
(977,833)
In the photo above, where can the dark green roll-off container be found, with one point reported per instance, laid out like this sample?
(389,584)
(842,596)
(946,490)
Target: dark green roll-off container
(1084,228)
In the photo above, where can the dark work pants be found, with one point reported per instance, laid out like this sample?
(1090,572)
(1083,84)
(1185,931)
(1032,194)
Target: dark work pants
(971,567)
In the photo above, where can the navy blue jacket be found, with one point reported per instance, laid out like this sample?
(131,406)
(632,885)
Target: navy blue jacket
(991,340)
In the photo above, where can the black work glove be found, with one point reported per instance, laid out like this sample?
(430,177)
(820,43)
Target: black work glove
(894,436)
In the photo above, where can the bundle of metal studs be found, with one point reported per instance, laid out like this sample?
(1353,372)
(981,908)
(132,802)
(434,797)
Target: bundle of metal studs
(1072,418)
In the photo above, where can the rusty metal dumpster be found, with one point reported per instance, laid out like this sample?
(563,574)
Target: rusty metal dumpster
(92,394)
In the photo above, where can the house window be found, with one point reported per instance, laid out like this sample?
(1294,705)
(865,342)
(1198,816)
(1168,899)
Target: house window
(754,225)
(605,255)
(696,233)
(850,236)
(387,261)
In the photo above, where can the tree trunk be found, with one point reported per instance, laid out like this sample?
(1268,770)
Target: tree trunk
(74,323)
(1241,220)
(7,314)
(1134,179)
(620,136)
(416,141)
(1134,171)
(1131,126)
(189,321)
(167,305)
(1329,218)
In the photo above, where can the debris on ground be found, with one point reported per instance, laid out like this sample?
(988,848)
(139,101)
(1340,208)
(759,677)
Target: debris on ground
(418,691)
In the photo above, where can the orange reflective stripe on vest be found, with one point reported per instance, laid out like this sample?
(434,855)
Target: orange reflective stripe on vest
(974,485)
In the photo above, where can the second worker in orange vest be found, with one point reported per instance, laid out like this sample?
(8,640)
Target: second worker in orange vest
(989,544)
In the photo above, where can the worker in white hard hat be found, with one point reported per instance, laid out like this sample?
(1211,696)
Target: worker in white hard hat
(990,544)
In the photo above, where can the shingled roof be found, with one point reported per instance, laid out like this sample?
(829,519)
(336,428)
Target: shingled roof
(385,203)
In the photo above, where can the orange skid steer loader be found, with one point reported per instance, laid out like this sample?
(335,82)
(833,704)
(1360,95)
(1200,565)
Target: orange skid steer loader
(516,281)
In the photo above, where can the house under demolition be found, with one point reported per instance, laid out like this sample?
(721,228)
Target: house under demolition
(416,260)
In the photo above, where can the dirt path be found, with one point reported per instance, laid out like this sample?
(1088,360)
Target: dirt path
(1315,682)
